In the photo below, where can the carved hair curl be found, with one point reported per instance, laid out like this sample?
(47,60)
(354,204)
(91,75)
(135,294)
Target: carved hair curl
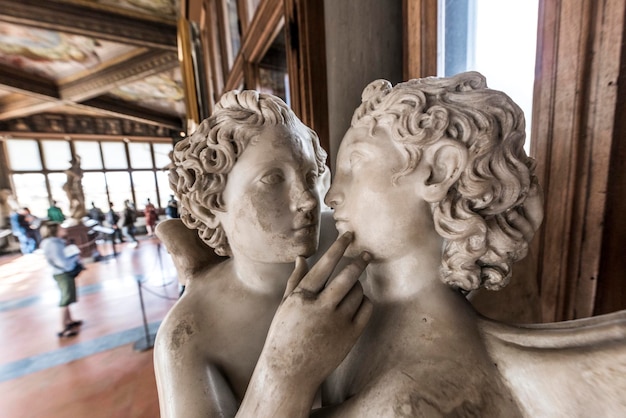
(476,219)
(202,161)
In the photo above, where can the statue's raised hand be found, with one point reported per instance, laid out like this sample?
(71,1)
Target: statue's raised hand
(313,330)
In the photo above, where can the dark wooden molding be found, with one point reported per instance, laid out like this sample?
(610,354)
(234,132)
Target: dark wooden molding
(62,125)
(574,128)
(23,82)
(611,289)
(262,30)
(235,76)
(117,108)
(80,20)
(17,105)
(255,42)
(306,62)
(37,94)
(136,68)
(419,38)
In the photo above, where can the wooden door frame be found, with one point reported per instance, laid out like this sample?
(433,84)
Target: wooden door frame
(579,68)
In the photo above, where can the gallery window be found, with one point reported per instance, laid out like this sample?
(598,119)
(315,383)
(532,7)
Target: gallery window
(498,38)
(113,171)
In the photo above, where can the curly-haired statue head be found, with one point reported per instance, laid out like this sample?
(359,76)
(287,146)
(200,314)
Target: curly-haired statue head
(482,217)
(202,162)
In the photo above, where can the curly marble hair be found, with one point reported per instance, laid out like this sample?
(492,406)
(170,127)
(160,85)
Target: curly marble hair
(202,161)
(482,218)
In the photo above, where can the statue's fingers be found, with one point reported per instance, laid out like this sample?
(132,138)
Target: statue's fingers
(521,224)
(352,301)
(363,314)
(317,277)
(342,284)
(533,206)
(299,272)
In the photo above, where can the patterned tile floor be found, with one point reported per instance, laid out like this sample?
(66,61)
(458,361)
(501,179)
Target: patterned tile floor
(102,372)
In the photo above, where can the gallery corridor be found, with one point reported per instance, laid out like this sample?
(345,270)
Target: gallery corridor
(102,372)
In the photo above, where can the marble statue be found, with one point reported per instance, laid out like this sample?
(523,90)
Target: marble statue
(433,197)
(248,181)
(5,208)
(73,187)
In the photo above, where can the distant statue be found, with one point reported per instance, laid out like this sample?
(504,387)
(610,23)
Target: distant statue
(5,208)
(433,197)
(74,190)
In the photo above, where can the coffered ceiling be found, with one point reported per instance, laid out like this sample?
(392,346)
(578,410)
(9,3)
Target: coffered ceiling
(97,58)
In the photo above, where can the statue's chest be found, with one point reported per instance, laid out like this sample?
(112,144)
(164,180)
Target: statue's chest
(417,380)
(379,354)
(235,345)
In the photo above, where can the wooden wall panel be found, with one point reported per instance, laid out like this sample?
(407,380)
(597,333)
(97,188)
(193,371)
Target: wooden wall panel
(578,61)
(611,291)
(306,61)
(419,38)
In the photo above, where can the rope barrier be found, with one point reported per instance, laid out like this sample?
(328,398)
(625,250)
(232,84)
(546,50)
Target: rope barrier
(155,293)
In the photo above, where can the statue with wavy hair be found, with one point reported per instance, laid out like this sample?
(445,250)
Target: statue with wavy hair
(248,181)
(433,197)
(434,187)
(480,217)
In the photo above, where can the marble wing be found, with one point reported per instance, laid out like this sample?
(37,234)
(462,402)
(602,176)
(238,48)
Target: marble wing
(189,253)
(567,369)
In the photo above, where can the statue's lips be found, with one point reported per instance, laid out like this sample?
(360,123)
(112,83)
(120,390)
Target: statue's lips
(342,225)
(340,220)
(306,229)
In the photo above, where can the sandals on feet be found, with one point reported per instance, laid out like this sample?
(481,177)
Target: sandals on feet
(67,332)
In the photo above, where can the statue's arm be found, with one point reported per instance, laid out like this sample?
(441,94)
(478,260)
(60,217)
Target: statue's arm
(188,384)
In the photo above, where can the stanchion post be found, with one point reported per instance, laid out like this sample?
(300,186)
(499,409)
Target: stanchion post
(147,342)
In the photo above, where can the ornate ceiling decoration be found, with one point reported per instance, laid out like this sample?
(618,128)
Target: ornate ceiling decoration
(98,58)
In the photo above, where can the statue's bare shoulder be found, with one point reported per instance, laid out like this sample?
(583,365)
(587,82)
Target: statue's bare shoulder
(209,343)
(433,379)
(190,319)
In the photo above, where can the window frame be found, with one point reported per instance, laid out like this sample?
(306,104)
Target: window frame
(46,172)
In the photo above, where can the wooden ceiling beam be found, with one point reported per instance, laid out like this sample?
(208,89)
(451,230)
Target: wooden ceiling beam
(85,21)
(117,108)
(18,81)
(37,94)
(18,106)
(263,29)
(139,67)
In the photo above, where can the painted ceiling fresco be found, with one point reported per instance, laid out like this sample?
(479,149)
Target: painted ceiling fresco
(109,57)
(54,55)
(160,92)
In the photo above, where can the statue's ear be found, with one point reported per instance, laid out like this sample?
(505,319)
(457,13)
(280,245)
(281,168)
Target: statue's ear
(444,162)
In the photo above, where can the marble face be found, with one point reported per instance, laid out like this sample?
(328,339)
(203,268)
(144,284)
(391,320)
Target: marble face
(369,203)
(271,201)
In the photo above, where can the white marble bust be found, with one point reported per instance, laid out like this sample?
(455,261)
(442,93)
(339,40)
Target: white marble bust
(248,181)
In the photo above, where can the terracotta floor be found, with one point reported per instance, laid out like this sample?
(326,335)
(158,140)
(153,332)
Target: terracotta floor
(98,373)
